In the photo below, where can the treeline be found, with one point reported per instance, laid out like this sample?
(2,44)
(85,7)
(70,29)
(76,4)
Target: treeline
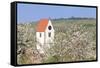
(74,18)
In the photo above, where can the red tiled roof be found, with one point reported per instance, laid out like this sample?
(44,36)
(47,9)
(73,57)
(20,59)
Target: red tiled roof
(41,26)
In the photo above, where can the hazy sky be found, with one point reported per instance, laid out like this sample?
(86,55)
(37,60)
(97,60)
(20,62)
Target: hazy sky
(33,12)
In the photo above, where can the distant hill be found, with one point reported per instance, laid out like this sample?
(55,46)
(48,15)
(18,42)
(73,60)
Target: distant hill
(60,19)
(74,18)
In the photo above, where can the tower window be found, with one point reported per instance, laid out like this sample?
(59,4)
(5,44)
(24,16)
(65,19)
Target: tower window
(49,27)
(49,34)
(40,35)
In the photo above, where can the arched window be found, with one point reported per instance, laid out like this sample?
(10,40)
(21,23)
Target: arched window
(49,34)
(40,35)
